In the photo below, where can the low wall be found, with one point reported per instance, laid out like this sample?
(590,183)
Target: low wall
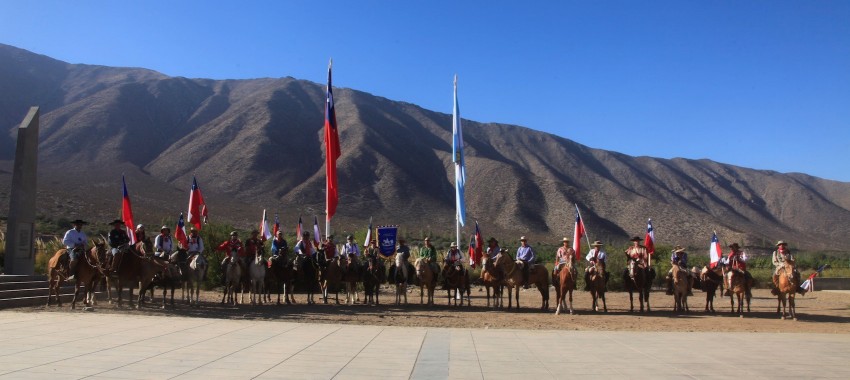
(833,283)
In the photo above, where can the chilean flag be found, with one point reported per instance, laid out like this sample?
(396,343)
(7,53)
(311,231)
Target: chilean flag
(332,150)
(180,232)
(476,247)
(127,214)
(276,225)
(264,227)
(318,237)
(715,253)
(579,233)
(299,228)
(368,233)
(197,207)
(649,240)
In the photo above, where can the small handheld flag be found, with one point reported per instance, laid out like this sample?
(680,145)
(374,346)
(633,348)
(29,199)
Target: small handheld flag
(127,213)
(276,225)
(715,252)
(476,247)
(197,207)
(299,228)
(578,234)
(264,227)
(180,232)
(649,240)
(368,234)
(318,237)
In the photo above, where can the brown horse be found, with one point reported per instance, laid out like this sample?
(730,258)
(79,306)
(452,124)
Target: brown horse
(282,273)
(350,277)
(597,286)
(681,285)
(638,279)
(331,278)
(491,278)
(537,275)
(427,280)
(458,279)
(88,273)
(787,287)
(566,283)
(375,275)
(737,289)
(307,273)
(710,280)
(133,270)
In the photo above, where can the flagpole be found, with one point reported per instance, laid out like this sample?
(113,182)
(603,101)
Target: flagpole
(586,234)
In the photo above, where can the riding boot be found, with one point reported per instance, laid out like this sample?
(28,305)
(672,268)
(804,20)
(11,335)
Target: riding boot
(669,281)
(72,269)
(587,281)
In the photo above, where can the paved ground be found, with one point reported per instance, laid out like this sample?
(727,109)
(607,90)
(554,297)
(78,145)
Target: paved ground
(89,345)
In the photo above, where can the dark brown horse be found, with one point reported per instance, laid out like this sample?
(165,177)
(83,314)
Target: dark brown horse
(598,286)
(133,270)
(282,278)
(491,277)
(709,281)
(374,275)
(350,277)
(638,279)
(458,279)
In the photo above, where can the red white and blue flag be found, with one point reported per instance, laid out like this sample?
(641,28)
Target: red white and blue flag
(276,225)
(715,252)
(368,233)
(197,207)
(476,247)
(180,232)
(264,227)
(317,236)
(332,150)
(649,239)
(299,229)
(578,234)
(127,213)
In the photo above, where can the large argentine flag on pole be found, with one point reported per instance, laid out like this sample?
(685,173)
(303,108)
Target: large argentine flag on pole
(457,158)
(715,253)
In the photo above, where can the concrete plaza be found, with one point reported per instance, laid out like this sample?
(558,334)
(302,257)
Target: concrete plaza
(65,345)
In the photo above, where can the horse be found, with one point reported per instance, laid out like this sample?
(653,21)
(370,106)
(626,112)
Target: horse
(637,279)
(375,275)
(350,277)
(197,273)
(681,285)
(180,258)
(133,269)
(307,273)
(566,283)
(709,280)
(457,278)
(787,288)
(168,278)
(57,272)
(537,275)
(257,274)
(399,279)
(89,273)
(427,279)
(232,281)
(282,273)
(737,289)
(598,286)
(491,278)
(331,277)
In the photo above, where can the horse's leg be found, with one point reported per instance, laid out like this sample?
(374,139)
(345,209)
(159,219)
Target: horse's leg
(631,302)
(646,298)
(792,307)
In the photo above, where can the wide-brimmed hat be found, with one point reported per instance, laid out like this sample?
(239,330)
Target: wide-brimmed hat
(636,238)
(165,228)
(79,221)
(116,221)
(492,239)
(427,239)
(350,237)
(566,239)
(454,245)
(781,242)
(140,226)
(678,249)
(234,233)
(734,245)
(597,243)
(522,238)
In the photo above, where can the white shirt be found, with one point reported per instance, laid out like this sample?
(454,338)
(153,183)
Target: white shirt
(196,244)
(74,238)
(601,255)
(163,245)
(350,249)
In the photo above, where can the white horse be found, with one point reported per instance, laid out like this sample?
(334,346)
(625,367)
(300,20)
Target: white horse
(400,286)
(232,276)
(197,273)
(257,274)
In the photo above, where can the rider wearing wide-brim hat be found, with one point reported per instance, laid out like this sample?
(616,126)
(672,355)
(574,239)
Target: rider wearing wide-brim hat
(737,261)
(677,257)
(164,243)
(117,236)
(526,257)
(780,255)
(232,248)
(75,241)
(454,258)
(429,252)
(596,254)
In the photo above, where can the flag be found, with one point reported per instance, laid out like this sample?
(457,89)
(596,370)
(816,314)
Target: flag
(332,150)
(180,232)
(715,252)
(579,233)
(299,228)
(457,158)
(276,225)
(649,240)
(808,284)
(127,213)
(264,227)
(197,207)
(368,233)
(317,236)
(476,247)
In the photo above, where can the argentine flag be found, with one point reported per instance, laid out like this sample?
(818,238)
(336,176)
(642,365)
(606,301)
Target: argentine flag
(457,158)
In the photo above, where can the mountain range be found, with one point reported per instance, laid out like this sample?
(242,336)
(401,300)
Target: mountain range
(258,144)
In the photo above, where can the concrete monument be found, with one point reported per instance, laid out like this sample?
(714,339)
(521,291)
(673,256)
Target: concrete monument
(20,230)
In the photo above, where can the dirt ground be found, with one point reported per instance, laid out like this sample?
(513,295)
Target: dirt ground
(818,312)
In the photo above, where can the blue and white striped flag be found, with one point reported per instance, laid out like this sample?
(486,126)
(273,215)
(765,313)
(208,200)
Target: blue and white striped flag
(457,158)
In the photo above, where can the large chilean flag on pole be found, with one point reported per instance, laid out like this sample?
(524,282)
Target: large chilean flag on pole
(197,207)
(649,240)
(715,253)
(127,214)
(332,150)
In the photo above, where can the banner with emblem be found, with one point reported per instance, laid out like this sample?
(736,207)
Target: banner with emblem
(387,238)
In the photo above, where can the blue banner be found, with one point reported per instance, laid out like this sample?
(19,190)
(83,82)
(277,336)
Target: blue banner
(387,237)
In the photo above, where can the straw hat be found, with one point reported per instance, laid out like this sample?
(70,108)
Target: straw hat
(781,242)
(522,238)
(597,243)
(565,240)
(79,221)
(116,221)
(234,233)
(454,245)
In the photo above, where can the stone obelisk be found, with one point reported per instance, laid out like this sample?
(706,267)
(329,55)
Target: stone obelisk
(20,231)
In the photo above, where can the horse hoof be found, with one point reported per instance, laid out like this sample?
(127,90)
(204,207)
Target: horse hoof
(782,317)
(795,318)
(742,316)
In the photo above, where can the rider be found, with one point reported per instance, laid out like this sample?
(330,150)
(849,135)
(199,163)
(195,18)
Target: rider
(305,246)
(402,258)
(350,250)
(163,242)
(780,255)
(231,247)
(279,245)
(371,251)
(565,254)
(195,246)
(737,260)
(117,239)
(637,254)
(525,257)
(677,257)
(493,250)
(595,255)
(75,243)
(453,258)
(429,252)
(330,250)
(254,245)
(141,237)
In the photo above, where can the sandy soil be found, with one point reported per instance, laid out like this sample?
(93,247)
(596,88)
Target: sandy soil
(819,312)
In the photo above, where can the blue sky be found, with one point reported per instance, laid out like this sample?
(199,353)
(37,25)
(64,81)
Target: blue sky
(761,84)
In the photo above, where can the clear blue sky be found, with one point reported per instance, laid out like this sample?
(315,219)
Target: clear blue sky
(762,84)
